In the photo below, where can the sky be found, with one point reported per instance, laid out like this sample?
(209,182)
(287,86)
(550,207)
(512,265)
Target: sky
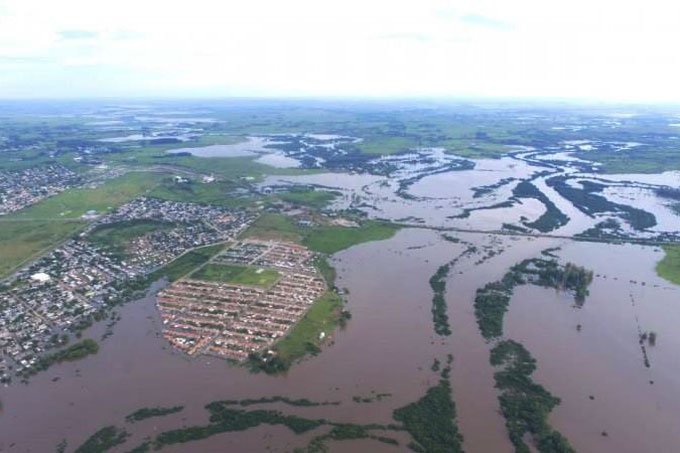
(609,50)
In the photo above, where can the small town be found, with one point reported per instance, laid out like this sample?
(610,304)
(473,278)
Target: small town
(19,189)
(56,296)
(234,320)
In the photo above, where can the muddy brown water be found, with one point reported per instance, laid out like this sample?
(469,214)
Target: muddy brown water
(388,347)
(604,359)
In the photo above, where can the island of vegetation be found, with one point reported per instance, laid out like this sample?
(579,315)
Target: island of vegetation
(149,412)
(439,316)
(525,404)
(491,301)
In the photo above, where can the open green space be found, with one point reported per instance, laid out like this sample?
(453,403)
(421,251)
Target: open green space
(117,236)
(321,238)
(219,193)
(305,337)
(185,263)
(27,233)
(238,275)
(669,267)
(275,227)
(22,240)
(332,239)
(318,199)
(73,203)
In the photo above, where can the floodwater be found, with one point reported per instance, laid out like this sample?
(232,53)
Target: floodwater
(389,344)
(604,358)
(251,146)
(386,348)
(214,151)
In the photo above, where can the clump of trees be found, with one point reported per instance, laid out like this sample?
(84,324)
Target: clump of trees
(74,352)
(148,412)
(103,440)
(525,404)
(440,318)
(431,421)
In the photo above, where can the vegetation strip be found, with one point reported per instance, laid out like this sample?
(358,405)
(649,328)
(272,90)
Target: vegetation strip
(74,352)
(103,440)
(551,219)
(491,301)
(440,317)
(149,412)
(525,404)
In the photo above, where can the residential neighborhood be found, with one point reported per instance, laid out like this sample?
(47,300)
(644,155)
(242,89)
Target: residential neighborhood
(232,320)
(47,301)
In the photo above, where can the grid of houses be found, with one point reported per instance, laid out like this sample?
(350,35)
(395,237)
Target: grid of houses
(59,293)
(22,188)
(232,321)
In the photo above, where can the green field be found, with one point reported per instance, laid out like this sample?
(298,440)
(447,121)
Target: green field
(74,203)
(34,230)
(669,267)
(318,199)
(216,193)
(19,241)
(324,239)
(332,239)
(238,275)
(275,227)
(304,338)
(186,263)
(117,236)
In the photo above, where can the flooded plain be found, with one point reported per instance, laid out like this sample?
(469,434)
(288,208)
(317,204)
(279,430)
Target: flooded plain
(389,341)
(590,357)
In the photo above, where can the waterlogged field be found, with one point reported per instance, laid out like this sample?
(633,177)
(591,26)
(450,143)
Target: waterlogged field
(499,279)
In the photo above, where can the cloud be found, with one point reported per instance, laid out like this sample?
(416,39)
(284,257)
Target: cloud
(485,21)
(14,59)
(77,34)
(576,48)
(407,36)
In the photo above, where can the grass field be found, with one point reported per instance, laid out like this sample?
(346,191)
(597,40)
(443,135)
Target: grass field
(318,199)
(304,338)
(117,236)
(276,227)
(332,239)
(186,263)
(27,233)
(324,239)
(215,193)
(238,275)
(669,267)
(74,203)
(19,241)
